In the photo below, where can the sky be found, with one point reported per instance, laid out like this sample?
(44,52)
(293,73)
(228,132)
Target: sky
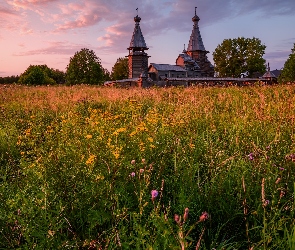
(35,32)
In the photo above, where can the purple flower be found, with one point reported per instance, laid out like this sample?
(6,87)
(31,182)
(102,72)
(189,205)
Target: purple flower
(154,194)
(282,169)
(132,174)
(251,156)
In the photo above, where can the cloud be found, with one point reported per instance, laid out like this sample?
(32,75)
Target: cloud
(79,15)
(29,4)
(7,11)
(55,48)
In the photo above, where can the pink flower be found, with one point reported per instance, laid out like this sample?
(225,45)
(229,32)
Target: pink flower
(185,216)
(278,181)
(141,170)
(176,218)
(132,174)
(251,156)
(204,216)
(133,162)
(154,194)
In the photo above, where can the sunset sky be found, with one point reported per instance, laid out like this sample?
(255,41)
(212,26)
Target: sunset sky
(51,31)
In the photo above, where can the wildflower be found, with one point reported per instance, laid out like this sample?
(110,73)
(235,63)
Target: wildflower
(88,136)
(132,174)
(204,216)
(141,170)
(282,169)
(251,156)
(290,157)
(133,162)
(154,194)
(91,159)
(266,202)
(143,160)
(282,194)
(185,216)
(150,139)
(278,181)
(177,218)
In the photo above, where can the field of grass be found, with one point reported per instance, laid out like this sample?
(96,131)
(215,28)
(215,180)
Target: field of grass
(89,167)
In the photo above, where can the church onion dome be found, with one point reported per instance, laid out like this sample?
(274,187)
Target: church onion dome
(195,19)
(137,40)
(196,42)
(137,19)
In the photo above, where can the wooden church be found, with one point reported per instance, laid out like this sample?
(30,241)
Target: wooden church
(193,61)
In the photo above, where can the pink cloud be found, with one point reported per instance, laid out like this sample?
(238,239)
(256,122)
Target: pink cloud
(29,4)
(55,48)
(87,14)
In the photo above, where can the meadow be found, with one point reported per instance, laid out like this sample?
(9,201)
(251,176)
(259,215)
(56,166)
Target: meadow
(87,167)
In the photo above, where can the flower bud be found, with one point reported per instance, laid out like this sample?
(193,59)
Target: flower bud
(204,216)
(185,215)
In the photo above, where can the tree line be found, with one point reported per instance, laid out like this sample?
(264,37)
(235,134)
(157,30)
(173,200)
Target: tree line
(231,58)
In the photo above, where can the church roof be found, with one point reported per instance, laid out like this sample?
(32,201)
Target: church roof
(276,72)
(137,40)
(167,67)
(196,42)
(269,74)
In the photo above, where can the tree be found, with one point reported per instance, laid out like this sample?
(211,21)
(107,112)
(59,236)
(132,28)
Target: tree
(84,67)
(235,56)
(120,69)
(288,72)
(37,75)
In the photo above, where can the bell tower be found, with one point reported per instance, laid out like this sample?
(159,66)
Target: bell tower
(137,58)
(196,49)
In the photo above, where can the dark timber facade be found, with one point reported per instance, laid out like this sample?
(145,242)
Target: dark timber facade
(137,58)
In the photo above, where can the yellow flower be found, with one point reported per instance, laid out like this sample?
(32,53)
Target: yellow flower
(91,159)
(132,133)
(28,131)
(88,136)
(150,139)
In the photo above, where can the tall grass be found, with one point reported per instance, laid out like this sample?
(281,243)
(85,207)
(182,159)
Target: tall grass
(81,167)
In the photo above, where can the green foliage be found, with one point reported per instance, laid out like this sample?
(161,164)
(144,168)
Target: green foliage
(235,56)
(288,72)
(41,75)
(84,67)
(120,69)
(9,79)
(78,173)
